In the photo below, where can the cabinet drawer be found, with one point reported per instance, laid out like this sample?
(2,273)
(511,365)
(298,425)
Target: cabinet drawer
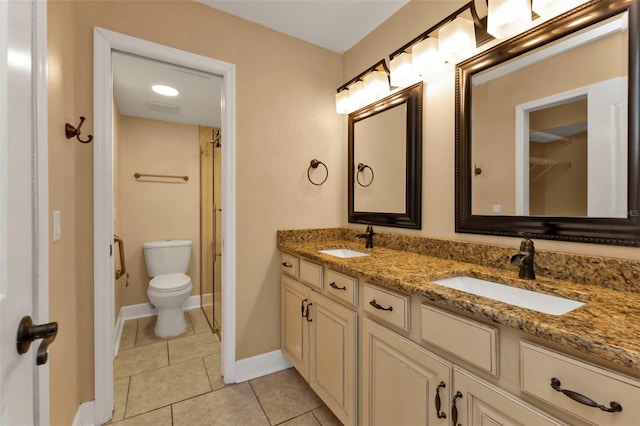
(342,286)
(539,366)
(311,273)
(290,265)
(388,306)
(469,340)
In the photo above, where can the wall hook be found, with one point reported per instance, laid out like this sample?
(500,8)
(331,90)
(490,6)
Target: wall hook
(71,131)
(476,170)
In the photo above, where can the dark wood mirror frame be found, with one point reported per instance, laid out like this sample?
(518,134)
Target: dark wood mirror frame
(613,231)
(412,217)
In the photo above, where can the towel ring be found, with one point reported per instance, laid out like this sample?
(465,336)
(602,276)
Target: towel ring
(361,168)
(314,165)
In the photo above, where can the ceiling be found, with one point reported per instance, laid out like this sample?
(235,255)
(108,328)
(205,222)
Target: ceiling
(333,24)
(199,101)
(336,25)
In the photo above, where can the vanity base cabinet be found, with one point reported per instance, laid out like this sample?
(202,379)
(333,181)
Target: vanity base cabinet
(333,362)
(294,328)
(402,383)
(319,337)
(479,403)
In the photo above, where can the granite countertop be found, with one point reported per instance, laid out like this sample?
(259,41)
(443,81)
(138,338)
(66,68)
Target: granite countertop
(606,326)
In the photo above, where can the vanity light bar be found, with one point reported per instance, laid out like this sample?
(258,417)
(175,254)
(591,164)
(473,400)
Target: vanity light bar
(366,87)
(455,37)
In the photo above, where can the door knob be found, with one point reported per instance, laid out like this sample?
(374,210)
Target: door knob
(28,332)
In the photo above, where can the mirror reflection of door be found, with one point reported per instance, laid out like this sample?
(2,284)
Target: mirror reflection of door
(558,160)
(572,145)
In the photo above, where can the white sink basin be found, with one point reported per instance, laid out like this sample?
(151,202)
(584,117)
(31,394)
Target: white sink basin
(343,253)
(540,302)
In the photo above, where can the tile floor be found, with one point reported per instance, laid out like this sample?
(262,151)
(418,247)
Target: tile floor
(177,382)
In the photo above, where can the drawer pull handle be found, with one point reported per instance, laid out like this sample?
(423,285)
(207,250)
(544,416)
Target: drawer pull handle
(287,265)
(334,285)
(613,406)
(306,314)
(382,308)
(441,415)
(454,409)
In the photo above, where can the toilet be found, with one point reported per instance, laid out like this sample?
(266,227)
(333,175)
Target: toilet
(167,263)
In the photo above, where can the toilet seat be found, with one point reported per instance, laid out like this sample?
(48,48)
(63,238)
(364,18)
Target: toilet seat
(167,283)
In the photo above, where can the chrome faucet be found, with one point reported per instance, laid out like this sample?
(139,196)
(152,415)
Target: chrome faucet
(524,259)
(368,235)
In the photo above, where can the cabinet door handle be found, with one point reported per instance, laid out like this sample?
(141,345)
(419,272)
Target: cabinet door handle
(333,284)
(454,409)
(441,414)
(582,399)
(382,308)
(302,307)
(287,265)
(306,315)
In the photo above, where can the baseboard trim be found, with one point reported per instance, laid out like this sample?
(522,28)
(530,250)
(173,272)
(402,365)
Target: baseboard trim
(143,310)
(86,414)
(260,365)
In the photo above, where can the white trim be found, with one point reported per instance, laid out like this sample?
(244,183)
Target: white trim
(618,23)
(85,414)
(104,42)
(4,147)
(41,306)
(103,230)
(261,365)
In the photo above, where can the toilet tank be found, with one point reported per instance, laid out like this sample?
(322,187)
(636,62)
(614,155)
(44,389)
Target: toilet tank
(167,256)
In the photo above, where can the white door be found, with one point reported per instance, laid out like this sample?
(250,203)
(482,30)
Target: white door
(19,233)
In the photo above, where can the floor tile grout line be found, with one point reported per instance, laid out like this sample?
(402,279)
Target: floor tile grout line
(171,404)
(126,401)
(259,402)
(299,415)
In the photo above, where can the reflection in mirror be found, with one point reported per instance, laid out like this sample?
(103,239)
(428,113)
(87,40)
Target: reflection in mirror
(545,116)
(526,141)
(379,152)
(385,146)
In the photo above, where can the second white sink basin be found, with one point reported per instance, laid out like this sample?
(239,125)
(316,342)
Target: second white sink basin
(343,253)
(540,302)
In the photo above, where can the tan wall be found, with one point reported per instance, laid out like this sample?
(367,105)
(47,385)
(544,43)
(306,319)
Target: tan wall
(285,117)
(438,135)
(68,365)
(157,209)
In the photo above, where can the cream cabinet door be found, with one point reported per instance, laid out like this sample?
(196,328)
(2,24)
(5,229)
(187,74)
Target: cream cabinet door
(294,328)
(333,367)
(402,383)
(479,403)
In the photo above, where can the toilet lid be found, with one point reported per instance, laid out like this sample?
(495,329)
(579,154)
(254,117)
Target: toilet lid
(170,282)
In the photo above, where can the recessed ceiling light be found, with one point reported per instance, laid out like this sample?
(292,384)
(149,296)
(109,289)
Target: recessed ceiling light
(164,90)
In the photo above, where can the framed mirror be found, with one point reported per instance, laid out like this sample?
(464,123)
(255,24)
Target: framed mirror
(385,161)
(547,130)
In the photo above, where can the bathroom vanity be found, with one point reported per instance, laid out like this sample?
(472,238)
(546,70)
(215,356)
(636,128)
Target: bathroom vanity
(381,343)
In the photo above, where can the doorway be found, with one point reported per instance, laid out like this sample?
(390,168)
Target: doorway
(105,42)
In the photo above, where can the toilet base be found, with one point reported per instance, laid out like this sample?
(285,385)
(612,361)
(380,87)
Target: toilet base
(170,322)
